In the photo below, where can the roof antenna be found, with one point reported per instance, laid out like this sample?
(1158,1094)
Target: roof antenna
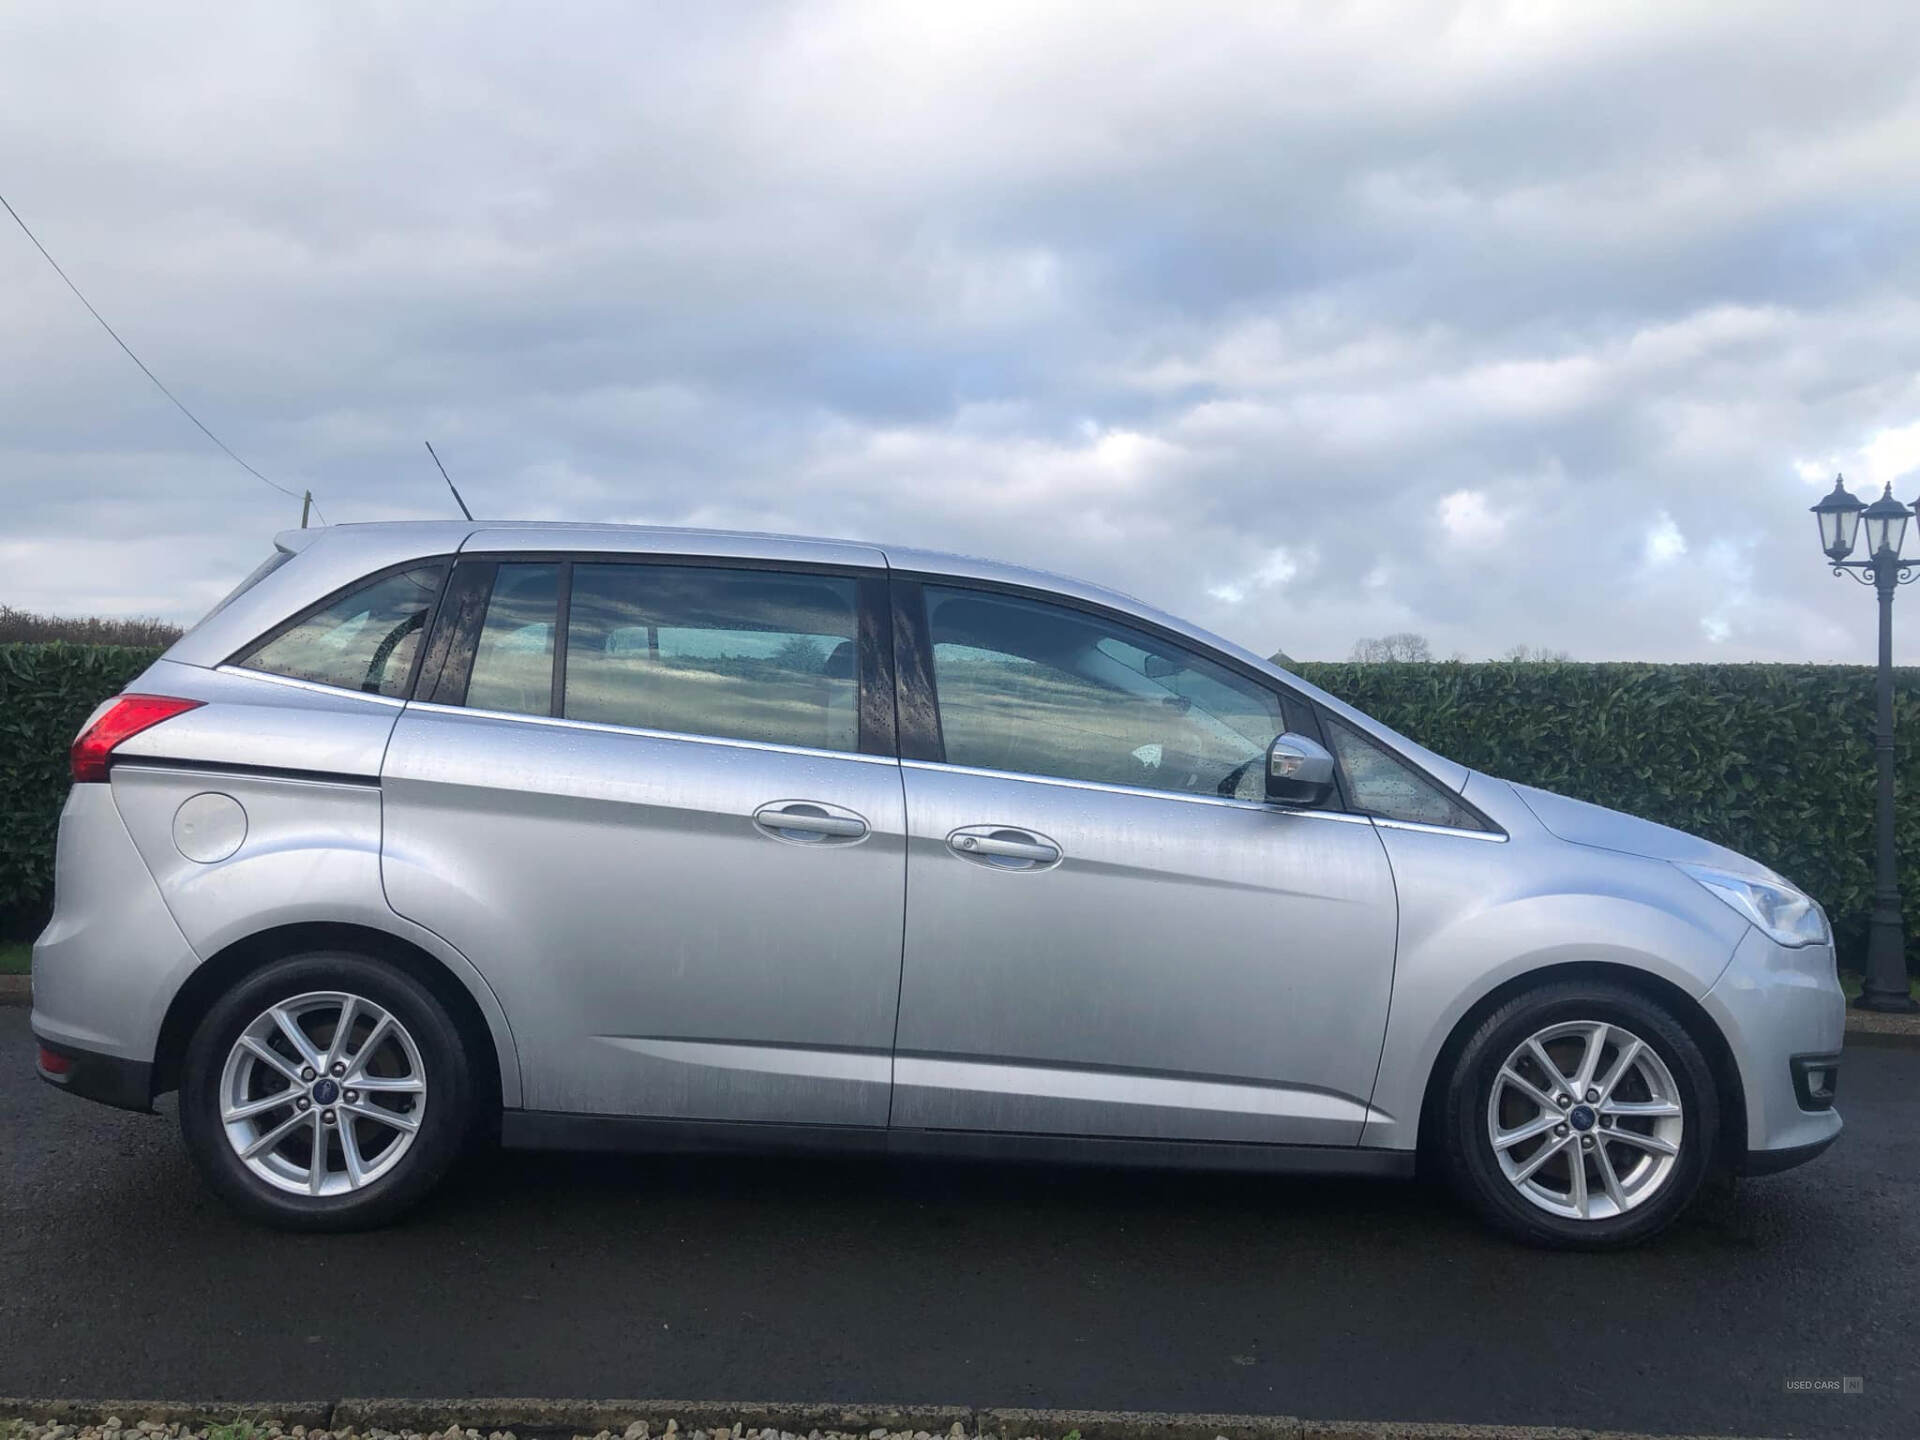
(450,485)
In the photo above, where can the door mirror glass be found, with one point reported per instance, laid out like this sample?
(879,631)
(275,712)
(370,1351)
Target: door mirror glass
(1299,771)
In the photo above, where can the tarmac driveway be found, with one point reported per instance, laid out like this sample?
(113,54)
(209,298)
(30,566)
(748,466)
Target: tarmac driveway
(785,1280)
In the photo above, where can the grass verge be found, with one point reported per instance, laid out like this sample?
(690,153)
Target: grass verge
(1849,982)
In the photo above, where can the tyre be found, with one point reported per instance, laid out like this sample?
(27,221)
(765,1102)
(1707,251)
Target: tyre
(326,1091)
(1580,1115)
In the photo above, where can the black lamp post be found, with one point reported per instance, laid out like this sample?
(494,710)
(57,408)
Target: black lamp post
(1840,516)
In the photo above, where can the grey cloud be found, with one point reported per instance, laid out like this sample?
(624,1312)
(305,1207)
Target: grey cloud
(1229,306)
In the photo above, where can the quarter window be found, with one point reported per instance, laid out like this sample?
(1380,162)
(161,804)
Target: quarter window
(744,654)
(1382,784)
(1047,690)
(364,640)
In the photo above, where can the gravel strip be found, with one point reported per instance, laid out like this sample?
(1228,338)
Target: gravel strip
(269,1428)
(1873,1027)
(71,1420)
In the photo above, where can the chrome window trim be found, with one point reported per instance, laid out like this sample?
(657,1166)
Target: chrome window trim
(432,707)
(1498,837)
(312,686)
(1264,807)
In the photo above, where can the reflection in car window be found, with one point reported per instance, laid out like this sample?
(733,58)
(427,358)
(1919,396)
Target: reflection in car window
(1048,690)
(365,640)
(513,663)
(1383,785)
(745,654)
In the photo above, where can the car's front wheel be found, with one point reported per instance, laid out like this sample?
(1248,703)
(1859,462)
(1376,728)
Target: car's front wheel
(325,1092)
(1580,1114)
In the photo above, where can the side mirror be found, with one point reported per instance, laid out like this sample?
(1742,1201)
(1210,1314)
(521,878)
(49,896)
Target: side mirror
(1299,771)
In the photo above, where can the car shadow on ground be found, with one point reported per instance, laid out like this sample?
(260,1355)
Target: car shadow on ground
(1420,1211)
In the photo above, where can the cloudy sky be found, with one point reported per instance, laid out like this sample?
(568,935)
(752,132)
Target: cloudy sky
(1522,324)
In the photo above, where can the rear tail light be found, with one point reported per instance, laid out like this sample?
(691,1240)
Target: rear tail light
(124,718)
(53,1062)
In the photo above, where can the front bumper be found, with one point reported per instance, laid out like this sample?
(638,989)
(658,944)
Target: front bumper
(1784,1016)
(1772,1162)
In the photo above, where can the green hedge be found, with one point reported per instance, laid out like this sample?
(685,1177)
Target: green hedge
(46,691)
(1773,760)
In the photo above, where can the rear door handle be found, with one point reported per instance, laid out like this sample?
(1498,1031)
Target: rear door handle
(1001,847)
(809,822)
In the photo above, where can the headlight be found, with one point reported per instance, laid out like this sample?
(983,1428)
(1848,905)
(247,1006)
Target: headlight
(1785,914)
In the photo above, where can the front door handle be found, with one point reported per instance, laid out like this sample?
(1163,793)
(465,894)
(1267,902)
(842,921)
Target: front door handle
(809,822)
(1001,847)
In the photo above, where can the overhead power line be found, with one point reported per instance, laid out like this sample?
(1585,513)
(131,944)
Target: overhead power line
(228,449)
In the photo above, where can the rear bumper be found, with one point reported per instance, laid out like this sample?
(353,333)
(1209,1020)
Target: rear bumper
(111,958)
(127,1084)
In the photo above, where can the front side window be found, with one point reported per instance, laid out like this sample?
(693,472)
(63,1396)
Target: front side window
(1044,689)
(364,640)
(1382,784)
(742,654)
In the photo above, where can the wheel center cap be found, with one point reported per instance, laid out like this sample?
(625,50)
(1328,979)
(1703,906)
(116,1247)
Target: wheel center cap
(1581,1116)
(325,1092)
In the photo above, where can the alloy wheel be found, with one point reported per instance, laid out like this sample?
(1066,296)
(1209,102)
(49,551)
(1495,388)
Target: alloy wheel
(1585,1120)
(323,1093)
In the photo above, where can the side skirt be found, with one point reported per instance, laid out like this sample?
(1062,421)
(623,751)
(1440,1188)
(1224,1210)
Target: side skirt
(550,1130)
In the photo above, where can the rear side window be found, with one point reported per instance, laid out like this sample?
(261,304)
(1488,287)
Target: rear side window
(742,654)
(365,639)
(513,662)
(1381,784)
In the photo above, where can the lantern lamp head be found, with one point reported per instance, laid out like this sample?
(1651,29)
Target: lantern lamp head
(1886,522)
(1839,515)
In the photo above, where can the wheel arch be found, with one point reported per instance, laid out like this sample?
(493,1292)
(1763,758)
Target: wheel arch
(1731,1143)
(492,1055)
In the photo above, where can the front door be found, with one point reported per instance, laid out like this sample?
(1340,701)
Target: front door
(1109,931)
(645,801)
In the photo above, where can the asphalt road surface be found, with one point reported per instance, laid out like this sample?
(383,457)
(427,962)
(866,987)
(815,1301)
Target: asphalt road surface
(896,1282)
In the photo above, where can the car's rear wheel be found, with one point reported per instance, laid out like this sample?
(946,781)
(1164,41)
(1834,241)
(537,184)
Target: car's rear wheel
(1580,1115)
(325,1092)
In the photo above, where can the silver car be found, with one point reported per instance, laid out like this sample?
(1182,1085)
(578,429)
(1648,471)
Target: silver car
(621,837)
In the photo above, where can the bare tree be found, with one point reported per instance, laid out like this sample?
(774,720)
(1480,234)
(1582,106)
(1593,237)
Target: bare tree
(1535,655)
(1402,645)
